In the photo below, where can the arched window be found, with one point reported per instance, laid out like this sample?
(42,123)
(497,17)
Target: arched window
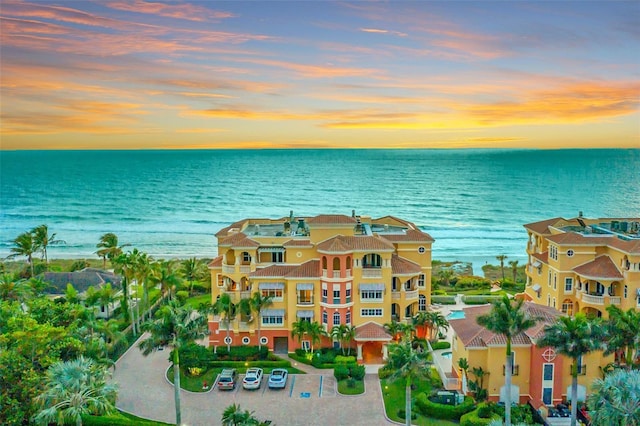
(324,262)
(372,260)
(567,307)
(422,303)
(336,263)
(348,262)
(336,318)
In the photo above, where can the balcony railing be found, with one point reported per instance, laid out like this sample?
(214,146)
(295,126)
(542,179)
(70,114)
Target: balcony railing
(245,269)
(614,300)
(411,295)
(228,269)
(304,301)
(245,294)
(515,370)
(371,273)
(395,295)
(592,299)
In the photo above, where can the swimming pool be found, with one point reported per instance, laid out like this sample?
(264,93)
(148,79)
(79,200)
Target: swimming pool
(455,315)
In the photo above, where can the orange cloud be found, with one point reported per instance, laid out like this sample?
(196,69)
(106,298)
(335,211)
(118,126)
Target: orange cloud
(180,11)
(380,31)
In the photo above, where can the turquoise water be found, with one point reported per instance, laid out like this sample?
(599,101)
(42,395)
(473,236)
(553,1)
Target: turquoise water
(454,315)
(170,203)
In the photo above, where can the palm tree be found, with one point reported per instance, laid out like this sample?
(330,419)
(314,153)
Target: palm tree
(502,258)
(573,337)
(106,296)
(299,329)
(143,271)
(344,334)
(42,240)
(615,400)
(192,270)
(394,328)
(164,274)
(349,335)
(234,416)
(316,331)
(421,320)
(258,303)
(478,385)
(440,324)
(409,364)
(445,275)
(508,319)
(227,309)
(124,264)
(514,270)
(109,248)
(174,326)
(624,333)
(12,289)
(25,245)
(75,388)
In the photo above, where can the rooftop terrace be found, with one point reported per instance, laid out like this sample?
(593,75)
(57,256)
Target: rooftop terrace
(626,230)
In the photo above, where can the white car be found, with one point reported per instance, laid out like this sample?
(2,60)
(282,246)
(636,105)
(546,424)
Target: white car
(278,378)
(253,378)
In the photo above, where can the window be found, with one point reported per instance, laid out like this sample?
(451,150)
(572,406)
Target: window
(568,285)
(246,257)
(554,302)
(599,289)
(336,296)
(369,295)
(245,340)
(372,260)
(549,280)
(547,383)
(325,293)
(555,281)
(347,318)
(548,300)
(377,312)
(626,291)
(336,318)
(421,280)
(348,295)
(553,252)
(325,317)
(567,307)
(569,253)
(407,285)
(305,297)
(275,293)
(272,320)
(547,395)
(422,303)
(421,250)
(306,345)
(547,372)
(277,257)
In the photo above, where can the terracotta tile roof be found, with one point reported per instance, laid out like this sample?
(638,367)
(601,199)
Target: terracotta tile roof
(402,266)
(542,257)
(572,238)
(225,230)
(474,335)
(215,263)
(331,219)
(310,269)
(601,267)
(298,243)
(239,240)
(356,243)
(371,331)
(412,236)
(275,271)
(394,218)
(542,227)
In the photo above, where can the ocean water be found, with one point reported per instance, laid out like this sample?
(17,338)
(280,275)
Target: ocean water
(171,203)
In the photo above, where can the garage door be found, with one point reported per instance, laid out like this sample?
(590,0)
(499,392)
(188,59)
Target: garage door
(281,345)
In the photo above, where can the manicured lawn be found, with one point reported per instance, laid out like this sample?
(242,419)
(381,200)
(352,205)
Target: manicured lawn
(344,389)
(194,384)
(119,418)
(393,392)
(196,301)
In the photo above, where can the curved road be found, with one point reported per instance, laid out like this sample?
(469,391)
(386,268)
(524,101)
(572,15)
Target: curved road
(144,391)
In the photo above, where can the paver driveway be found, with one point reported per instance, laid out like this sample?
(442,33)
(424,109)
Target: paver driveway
(143,391)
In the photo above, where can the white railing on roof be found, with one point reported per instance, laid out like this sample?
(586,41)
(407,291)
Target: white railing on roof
(594,300)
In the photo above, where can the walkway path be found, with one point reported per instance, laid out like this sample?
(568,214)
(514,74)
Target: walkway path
(144,391)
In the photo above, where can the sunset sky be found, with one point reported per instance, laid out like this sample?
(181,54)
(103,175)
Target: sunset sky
(127,74)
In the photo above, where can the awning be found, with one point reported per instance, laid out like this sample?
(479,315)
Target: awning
(304,286)
(271,249)
(536,287)
(304,314)
(270,286)
(272,313)
(536,264)
(370,287)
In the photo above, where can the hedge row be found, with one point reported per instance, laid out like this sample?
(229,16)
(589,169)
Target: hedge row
(473,418)
(444,300)
(480,300)
(442,411)
(242,364)
(440,345)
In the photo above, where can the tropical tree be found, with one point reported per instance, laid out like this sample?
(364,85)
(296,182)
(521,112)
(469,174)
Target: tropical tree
(143,271)
(24,245)
(501,258)
(514,270)
(42,240)
(445,275)
(623,333)
(258,303)
(508,319)
(315,331)
(234,416)
(165,275)
(573,337)
(477,385)
(174,326)
(225,308)
(73,389)
(192,270)
(71,294)
(106,296)
(108,248)
(394,328)
(409,364)
(615,400)
(299,329)
(14,289)
(440,324)
(124,264)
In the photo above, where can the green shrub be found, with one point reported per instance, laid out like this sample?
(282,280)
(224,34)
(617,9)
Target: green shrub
(522,414)
(384,373)
(242,353)
(341,372)
(324,356)
(182,296)
(472,282)
(473,418)
(357,371)
(479,300)
(194,355)
(444,300)
(440,345)
(79,265)
(402,413)
(351,382)
(442,411)
(341,359)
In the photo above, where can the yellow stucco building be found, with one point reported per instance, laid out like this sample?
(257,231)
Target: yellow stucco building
(574,265)
(330,269)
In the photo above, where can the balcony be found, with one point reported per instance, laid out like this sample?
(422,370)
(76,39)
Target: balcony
(228,269)
(411,295)
(371,273)
(245,294)
(593,299)
(395,295)
(245,269)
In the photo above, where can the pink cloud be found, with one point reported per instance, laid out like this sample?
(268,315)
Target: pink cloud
(179,11)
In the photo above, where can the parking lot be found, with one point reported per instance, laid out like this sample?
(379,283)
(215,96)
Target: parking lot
(307,399)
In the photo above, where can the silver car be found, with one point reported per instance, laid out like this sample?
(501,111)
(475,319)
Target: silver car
(253,378)
(278,378)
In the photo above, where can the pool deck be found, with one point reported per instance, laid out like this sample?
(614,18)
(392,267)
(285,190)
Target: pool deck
(444,364)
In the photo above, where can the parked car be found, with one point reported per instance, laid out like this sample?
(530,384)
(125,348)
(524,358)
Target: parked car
(278,378)
(253,378)
(227,379)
